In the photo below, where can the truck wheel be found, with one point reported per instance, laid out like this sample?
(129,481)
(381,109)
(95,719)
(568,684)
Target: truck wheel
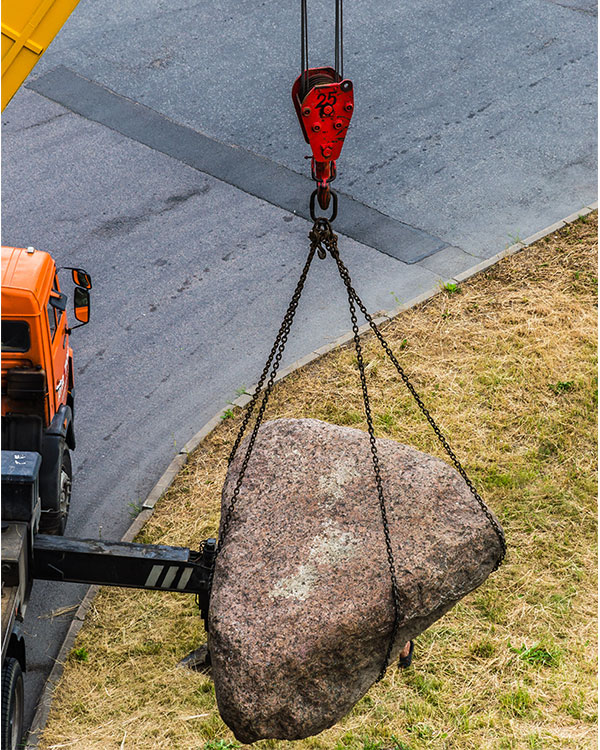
(12,703)
(54,518)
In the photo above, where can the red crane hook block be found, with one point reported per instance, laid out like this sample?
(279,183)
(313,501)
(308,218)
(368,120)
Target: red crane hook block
(324,104)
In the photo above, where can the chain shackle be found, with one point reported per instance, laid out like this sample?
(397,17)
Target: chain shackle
(334,207)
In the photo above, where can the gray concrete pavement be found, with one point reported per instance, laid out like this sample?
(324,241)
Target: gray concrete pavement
(475,125)
(473,119)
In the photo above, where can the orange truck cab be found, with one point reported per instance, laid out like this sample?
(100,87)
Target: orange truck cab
(37,371)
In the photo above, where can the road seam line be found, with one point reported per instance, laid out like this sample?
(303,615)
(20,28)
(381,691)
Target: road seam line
(239,167)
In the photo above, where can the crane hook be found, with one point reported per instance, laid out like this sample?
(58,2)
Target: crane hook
(324,103)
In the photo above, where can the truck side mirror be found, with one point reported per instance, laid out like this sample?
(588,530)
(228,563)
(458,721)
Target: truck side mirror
(81,278)
(81,305)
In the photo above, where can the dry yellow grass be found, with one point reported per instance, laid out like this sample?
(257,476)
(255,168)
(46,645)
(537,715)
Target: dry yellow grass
(507,365)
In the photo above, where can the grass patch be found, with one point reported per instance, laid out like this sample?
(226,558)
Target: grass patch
(80,654)
(508,369)
(538,654)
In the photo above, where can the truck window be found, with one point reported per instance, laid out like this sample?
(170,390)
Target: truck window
(15,336)
(52,319)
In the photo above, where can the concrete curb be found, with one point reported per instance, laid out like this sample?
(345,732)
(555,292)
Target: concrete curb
(179,461)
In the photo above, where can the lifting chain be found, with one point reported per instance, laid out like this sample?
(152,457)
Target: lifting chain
(272,364)
(324,105)
(324,240)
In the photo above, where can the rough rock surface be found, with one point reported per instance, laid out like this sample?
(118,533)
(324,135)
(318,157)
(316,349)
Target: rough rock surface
(301,609)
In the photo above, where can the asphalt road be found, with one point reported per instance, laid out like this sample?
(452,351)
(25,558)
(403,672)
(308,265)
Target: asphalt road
(475,126)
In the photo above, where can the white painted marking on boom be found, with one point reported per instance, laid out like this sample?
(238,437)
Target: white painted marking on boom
(154,575)
(170,577)
(187,574)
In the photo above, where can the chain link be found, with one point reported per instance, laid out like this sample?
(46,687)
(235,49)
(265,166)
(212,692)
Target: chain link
(329,240)
(494,523)
(396,598)
(324,240)
(274,360)
(277,349)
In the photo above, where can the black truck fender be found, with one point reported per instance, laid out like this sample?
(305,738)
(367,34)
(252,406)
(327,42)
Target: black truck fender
(16,645)
(61,425)
(54,440)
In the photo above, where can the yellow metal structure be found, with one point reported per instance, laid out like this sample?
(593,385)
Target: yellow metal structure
(28,27)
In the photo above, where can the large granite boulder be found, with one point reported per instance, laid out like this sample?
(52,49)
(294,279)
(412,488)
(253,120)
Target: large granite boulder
(301,609)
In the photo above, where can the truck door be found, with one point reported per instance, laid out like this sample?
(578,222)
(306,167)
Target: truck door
(59,347)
